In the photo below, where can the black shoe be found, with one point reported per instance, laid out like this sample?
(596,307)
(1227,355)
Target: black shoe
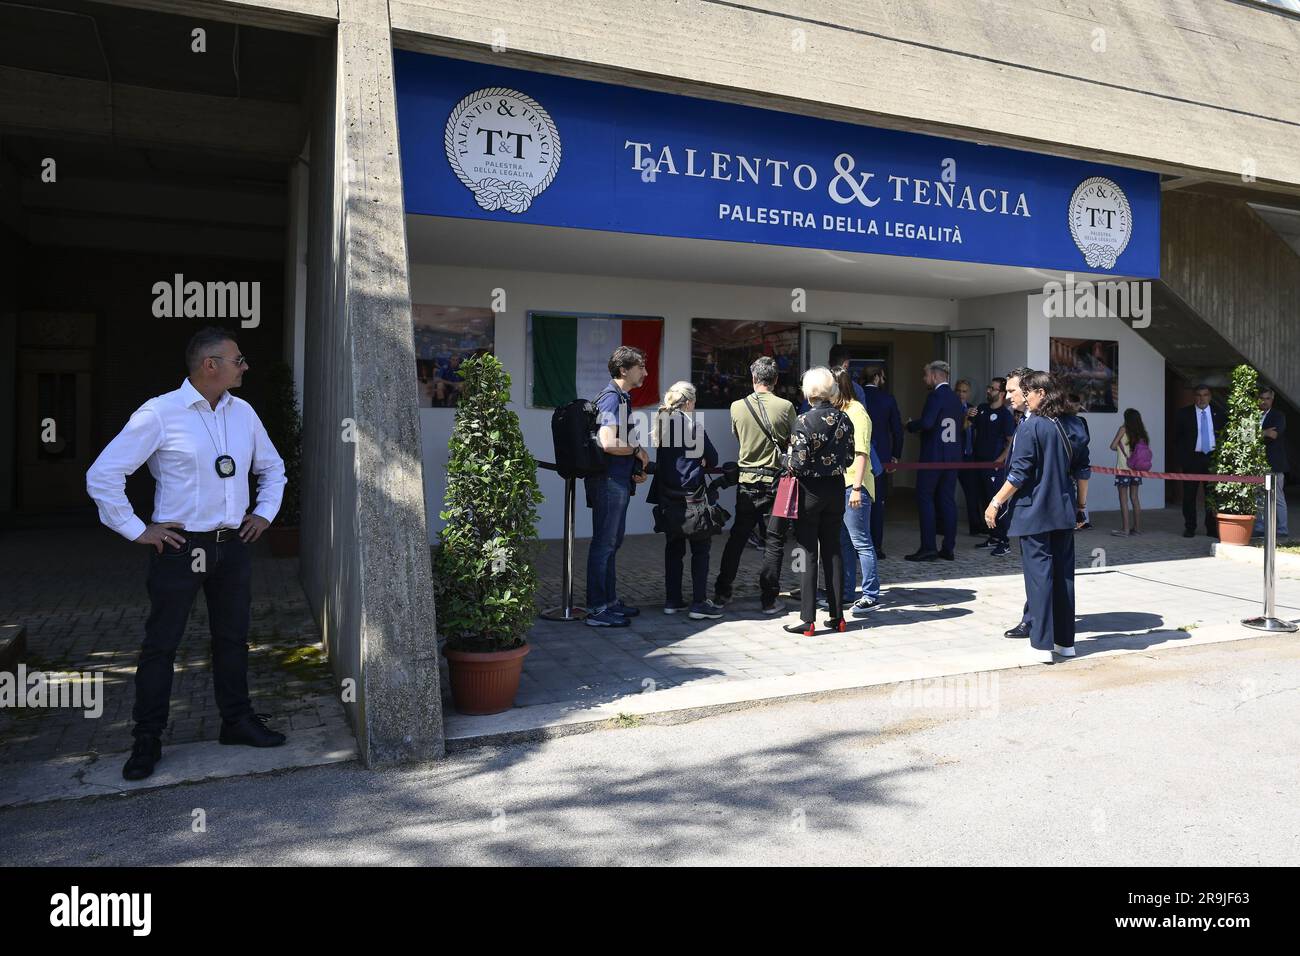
(947,555)
(146,752)
(922,555)
(881,556)
(1020,630)
(251,730)
(836,624)
(987,543)
(803,627)
(1001,550)
(1189,533)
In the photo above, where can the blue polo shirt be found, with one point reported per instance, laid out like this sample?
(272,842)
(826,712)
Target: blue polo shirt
(992,428)
(607,413)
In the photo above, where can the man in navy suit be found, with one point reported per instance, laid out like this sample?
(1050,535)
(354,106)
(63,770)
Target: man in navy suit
(936,490)
(887,439)
(1197,429)
(1273,424)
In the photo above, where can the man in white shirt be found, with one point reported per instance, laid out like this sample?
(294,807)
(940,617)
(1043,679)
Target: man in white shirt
(200,443)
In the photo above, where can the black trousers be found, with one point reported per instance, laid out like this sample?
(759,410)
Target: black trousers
(817,529)
(674,553)
(972,489)
(225,574)
(1198,464)
(883,481)
(1048,561)
(753,507)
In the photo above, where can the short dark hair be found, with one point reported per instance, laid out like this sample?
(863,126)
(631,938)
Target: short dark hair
(1021,373)
(839,355)
(875,373)
(1001,382)
(763,370)
(1054,403)
(624,358)
(1267,390)
(201,343)
(1201,386)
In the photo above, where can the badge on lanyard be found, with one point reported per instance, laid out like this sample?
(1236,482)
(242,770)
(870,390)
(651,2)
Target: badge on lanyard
(225,466)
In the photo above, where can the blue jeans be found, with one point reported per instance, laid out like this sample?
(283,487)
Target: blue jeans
(857,549)
(610,497)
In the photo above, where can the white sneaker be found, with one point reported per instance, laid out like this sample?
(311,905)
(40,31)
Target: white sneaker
(1040,657)
(778,607)
(1063,651)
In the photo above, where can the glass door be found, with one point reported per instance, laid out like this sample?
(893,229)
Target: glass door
(970,354)
(816,342)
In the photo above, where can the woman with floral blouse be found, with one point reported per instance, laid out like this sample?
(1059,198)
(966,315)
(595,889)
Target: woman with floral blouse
(821,451)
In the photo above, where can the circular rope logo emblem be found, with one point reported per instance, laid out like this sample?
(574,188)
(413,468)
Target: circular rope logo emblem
(503,146)
(1101,221)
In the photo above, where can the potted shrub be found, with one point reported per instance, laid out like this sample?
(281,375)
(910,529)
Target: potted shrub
(284,427)
(484,577)
(1239,452)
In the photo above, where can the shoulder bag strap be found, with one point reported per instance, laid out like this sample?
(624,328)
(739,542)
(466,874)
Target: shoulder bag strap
(764,426)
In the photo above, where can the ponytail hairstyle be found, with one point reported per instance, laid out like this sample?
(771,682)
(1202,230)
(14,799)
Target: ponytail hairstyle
(1054,404)
(1134,428)
(844,384)
(674,400)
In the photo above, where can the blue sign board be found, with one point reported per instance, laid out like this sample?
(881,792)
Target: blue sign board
(486,142)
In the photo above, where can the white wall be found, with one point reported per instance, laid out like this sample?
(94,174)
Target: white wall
(677,302)
(1005,315)
(1141,386)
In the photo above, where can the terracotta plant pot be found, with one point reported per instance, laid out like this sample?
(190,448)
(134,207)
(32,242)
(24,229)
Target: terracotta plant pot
(1235,529)
(283,542)
(484,682)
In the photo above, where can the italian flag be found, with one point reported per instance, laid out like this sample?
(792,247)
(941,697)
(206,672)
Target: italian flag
(571,356)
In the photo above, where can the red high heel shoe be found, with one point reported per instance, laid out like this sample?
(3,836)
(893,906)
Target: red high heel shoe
(837,624)
(806,628)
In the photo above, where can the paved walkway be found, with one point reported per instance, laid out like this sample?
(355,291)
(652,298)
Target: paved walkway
(81,594)
(936,618)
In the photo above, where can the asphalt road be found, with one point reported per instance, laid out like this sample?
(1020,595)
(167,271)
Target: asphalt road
(1183,756)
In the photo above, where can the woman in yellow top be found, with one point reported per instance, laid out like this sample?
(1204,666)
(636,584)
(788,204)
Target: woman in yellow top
(859,494)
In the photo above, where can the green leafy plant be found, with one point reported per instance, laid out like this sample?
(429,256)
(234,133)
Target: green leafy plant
(1241,449)
(484,577)
(283,424)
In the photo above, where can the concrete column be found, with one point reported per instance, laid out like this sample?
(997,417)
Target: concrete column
(366,563)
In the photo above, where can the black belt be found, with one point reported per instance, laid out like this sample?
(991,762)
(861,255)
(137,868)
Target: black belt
(219,535)
(755,470)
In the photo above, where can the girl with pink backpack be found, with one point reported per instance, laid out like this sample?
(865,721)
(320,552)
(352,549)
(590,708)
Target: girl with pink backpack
(1132,450)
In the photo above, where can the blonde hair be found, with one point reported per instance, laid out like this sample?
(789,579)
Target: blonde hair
(819,383)
(678,394)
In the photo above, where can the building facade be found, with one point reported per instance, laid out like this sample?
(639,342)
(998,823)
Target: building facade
(408,182)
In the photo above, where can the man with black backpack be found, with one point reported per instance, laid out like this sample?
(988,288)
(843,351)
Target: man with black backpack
(762,423)
(610,493)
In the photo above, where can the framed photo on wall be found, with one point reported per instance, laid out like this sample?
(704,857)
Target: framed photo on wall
(1089,369)
(723,349)
(445,337)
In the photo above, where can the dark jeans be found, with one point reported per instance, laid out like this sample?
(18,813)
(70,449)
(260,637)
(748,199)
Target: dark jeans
(1048,560)
(173,584)
(817,529)
(674,552)
(883,481)
(609,500)
(1198,464)
(753,506)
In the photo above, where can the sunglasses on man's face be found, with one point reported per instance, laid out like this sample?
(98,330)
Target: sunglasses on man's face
(238,359)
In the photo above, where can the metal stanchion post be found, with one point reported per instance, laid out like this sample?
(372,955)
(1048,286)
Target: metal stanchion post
(566,611)
(1269,621)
